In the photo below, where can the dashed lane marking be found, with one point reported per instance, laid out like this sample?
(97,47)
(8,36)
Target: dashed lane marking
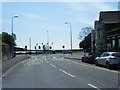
(93,86)
(67,73)
(53,65)
(47,61)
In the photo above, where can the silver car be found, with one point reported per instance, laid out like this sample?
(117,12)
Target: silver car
(108,59)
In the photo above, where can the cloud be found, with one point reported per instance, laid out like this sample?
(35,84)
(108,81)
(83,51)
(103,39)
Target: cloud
(59,0)
(90,7)
(101,6)
(88,12)
(85,21)
(31,16)
(34,16)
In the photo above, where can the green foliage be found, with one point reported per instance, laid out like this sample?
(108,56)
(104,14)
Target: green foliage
(1,43)
(7,38)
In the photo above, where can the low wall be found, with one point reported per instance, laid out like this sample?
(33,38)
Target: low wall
(6,52)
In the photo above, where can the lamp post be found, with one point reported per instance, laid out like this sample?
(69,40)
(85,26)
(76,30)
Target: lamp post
(70,34)
(13,37)
(48,40)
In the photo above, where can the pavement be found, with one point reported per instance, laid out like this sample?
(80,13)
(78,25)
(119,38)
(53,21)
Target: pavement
(11,62)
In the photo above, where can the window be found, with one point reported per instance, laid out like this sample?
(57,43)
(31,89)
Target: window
(98,30)
(119,43)
(99,36)
(113,43)
(105,54)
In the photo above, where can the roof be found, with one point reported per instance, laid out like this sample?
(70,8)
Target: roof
(109,17)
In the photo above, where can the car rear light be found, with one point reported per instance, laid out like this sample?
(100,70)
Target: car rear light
(112,58)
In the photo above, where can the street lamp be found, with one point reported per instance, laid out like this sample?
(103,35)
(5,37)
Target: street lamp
(13,37)
(70,34)
(48,40)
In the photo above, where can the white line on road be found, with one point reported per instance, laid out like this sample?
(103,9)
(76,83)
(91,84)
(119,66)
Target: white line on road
(53,65)
(47,61)
(67,73)
(93,86)
(45,58)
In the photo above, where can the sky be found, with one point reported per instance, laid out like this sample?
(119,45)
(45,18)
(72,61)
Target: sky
(36,18)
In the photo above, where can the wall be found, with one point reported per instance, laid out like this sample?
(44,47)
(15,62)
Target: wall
(6,52)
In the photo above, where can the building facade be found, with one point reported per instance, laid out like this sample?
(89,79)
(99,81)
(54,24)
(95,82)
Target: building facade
(107,31)
(100,37)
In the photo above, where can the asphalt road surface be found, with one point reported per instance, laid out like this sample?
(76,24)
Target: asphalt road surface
(53,71)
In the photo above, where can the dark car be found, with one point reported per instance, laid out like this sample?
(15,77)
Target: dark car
(89,57)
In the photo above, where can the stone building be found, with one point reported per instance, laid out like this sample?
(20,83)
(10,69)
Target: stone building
(107,31)
(100,37)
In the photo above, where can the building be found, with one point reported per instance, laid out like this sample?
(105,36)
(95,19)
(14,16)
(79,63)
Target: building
(112,26)
(100,37)
(107,31)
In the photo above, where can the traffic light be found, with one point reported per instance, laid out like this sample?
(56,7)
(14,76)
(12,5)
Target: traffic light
(63,46)
(39,47)
(35,47)
(26,47)
(50,47)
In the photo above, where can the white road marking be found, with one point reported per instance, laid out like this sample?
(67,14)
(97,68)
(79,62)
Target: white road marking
(45,58)
(53,65)
(93,86)
(53,57)
(67,73)
(47,61)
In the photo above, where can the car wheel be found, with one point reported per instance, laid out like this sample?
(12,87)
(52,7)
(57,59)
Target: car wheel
(96,63)
(82,60)
(108,65)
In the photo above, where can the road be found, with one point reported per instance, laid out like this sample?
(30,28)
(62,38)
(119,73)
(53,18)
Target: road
(53,71)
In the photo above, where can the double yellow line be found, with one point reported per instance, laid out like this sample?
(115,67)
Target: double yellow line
(118,72)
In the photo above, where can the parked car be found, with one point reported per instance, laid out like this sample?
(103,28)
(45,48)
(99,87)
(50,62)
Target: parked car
(108,59)
(89,57)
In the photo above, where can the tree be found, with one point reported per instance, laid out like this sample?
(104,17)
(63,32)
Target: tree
(8,39)
(84,32)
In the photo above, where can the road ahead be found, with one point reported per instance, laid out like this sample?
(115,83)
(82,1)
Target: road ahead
(53,71)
